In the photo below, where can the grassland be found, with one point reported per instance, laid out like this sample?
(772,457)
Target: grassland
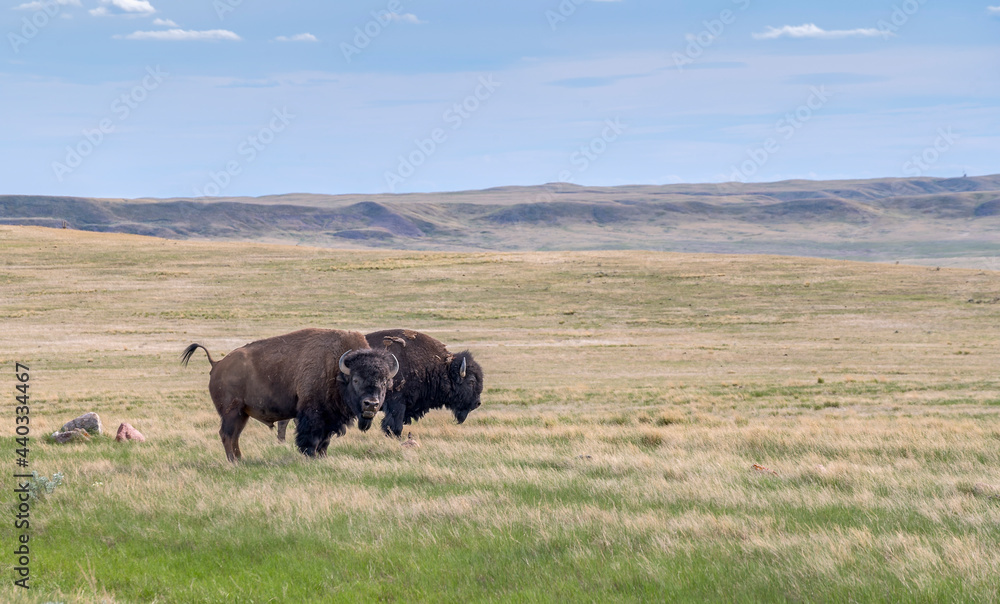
(947,222)
(628,396)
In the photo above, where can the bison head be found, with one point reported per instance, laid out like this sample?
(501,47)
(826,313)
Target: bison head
(466,385)
(364,376)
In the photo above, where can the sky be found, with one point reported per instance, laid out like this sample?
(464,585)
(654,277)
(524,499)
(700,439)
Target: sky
(160,98)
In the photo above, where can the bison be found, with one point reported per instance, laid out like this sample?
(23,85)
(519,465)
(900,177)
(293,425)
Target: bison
(324,378)
(430,378)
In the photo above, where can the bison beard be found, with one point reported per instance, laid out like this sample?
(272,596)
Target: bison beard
(323,378)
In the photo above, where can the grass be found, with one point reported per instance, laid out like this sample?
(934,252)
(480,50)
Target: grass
(628,395)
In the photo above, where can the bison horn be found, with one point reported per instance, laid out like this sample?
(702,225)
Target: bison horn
(343,367)
(395,366)
(461,372)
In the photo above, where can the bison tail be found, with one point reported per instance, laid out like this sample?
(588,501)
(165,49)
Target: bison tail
(186,356)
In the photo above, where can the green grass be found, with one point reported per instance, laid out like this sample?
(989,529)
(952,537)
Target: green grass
(628,395)
(253,553)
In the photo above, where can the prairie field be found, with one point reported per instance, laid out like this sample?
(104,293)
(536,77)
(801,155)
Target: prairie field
(628,397)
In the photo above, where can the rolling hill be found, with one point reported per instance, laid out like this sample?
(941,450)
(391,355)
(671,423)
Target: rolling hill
(954,222)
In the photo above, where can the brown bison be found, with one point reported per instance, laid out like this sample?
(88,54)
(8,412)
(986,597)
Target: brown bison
(429,377)
(324,378)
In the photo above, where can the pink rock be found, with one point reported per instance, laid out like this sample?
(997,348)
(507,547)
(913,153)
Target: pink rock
(127,432)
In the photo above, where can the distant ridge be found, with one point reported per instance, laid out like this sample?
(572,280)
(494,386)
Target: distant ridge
(948,220)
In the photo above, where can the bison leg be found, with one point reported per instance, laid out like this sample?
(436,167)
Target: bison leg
(232,425)
(236,436)
(282,427)
(310,431)
(392,422)
(339,429)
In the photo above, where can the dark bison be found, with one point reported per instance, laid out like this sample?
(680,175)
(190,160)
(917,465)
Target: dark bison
(324,378)
(429,377)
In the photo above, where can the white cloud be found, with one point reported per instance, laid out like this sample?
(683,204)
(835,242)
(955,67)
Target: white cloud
(182,35)
(131,7)
(993,10)
(811,30)
(40,4)
(297,38)
(406,18)
(164,22)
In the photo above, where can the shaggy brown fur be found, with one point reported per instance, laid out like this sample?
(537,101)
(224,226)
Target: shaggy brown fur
(429,377)
(298,375)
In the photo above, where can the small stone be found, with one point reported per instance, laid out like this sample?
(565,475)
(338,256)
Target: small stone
(90,422)
(66,436)
(127,432)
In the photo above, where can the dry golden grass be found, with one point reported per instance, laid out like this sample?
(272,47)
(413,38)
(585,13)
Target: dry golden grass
(628,396)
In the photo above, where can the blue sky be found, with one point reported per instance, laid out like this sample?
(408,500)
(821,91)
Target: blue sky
(158,98)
